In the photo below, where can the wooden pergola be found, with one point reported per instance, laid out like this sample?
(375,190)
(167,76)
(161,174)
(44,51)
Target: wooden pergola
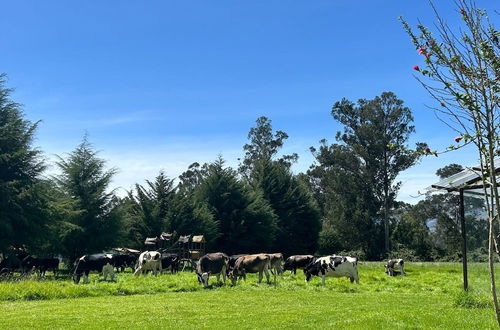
(467,181)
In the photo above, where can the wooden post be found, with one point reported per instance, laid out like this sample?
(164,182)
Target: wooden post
(464,240)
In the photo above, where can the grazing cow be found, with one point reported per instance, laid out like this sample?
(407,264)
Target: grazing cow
(232,261)
(275,264)
(298,261)
(41,265)
(333,266)
(393,263)
(92,262)
(148,260)
(170,260)
(253,263)
(212,264)
(122,261)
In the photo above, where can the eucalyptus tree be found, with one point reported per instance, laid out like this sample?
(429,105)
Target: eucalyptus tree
(377,132)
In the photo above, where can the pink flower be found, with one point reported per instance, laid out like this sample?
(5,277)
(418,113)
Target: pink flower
(427,150)
(462,11)
(421,51)
(416,68)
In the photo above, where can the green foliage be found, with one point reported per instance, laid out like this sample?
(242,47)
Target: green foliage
(23,220)
(298,220)
(148,208)
(187,216)
(95,218)
(264,146)
(246,222)
(297,216)
(348,207)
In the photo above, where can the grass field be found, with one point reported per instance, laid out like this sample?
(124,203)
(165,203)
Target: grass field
(430,296)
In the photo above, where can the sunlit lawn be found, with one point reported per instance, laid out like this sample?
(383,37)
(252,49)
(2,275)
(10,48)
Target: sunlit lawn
(429,296)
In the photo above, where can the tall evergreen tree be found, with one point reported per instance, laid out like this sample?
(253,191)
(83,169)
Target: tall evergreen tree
(246,222)
(22,206)
(96,219)
(298,221)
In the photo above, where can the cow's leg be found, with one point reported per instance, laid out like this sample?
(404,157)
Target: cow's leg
(267,276)
(323,279)
(260,276)
(86,277)
(223,271)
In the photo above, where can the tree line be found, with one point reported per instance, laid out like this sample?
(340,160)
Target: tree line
(346,202)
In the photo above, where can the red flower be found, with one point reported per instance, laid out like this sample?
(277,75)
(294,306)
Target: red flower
(458,139)
(416,68)
(427,54)
(462,11)
(427,150)
(421,51)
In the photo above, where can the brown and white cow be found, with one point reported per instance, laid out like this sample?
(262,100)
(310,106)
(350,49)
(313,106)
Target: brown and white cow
(148,260)
(333,266)
(253,263)
(293,263)
(395,263)
(212,264)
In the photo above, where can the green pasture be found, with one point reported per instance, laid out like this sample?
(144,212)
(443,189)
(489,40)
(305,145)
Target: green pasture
(430,296)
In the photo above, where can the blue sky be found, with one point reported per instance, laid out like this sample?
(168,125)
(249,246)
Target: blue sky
(161,84)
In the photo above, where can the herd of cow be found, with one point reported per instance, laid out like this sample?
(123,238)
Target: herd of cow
(218,264)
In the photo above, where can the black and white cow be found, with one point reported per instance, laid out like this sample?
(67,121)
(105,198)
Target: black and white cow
(395,263)
(93,262)
(293,263)
(148,261)
(212,264)
(253,263)
(333,266)
(170,260)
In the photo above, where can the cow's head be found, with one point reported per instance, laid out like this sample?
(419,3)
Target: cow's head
(203,278)
(233,275)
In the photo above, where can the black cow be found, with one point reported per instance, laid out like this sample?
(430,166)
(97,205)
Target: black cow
(212,264)
(92,262)
(11,264)
(297,262)
(122,261)
(170,260)
(41,265)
